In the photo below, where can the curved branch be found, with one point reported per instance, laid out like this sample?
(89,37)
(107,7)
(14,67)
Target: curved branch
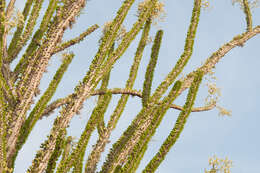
(62,101)
(139,94)
(206,67)
(210,63)
(54,105)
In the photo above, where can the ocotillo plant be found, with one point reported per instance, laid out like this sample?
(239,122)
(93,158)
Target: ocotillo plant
(37,39)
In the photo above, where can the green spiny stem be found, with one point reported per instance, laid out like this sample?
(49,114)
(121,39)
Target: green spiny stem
(150,68)
(179,125)
(130,137)
(76,40)
(83,90)
(67,148)
(35,42)
(2,30)
(55,155)
(96,118)
(2,101)
(162,88)
(3,83)
(107,40)
(32,84)
(27,31)
(76,157)
(136,161)
(132,76)
(6,97)
(3,132)
(122,102)
(17,35)
(119,145)
(44,146)
(129,37)
(139,149)
(248,15)
(100,110)
(41,104)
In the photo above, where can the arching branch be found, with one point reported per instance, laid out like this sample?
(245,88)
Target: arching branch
(220,53)
(62,101)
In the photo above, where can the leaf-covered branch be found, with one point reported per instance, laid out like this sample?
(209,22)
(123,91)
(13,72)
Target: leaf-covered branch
(42,103)
(101,143)
(219,54)
(76,40)
(150,68)
(179,125)
(248,15)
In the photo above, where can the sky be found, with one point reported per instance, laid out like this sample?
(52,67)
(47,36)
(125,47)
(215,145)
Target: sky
(205,133)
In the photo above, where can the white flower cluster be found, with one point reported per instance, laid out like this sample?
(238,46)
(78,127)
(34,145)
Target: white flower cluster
(214,94)
(219,165)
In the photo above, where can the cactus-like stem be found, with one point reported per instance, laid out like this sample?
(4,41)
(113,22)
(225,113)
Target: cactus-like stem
(16,46)
(82,91)
(219,54)
(179,125)
(76,156)
(162,88)
(31,85)
(76,40)
(101,143)
(248,14)
(17,35)
(150,68)
(41,104)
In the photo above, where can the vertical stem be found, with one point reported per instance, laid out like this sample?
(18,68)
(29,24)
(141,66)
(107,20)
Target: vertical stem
(150,68)
(102,141)
(179,125)
(248,15)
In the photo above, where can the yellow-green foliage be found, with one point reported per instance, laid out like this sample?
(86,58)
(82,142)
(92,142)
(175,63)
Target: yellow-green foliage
(150,68)
(188,48)
(157,115)
(42,103)
(75,158)
(36,40)
(132,76)
(17,35)
(129,84)
(248,15)
(179,125)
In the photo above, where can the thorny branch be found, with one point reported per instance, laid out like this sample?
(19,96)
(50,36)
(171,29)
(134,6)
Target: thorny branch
(210,63)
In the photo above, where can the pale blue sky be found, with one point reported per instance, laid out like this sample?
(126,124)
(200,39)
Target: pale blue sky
(205,133)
